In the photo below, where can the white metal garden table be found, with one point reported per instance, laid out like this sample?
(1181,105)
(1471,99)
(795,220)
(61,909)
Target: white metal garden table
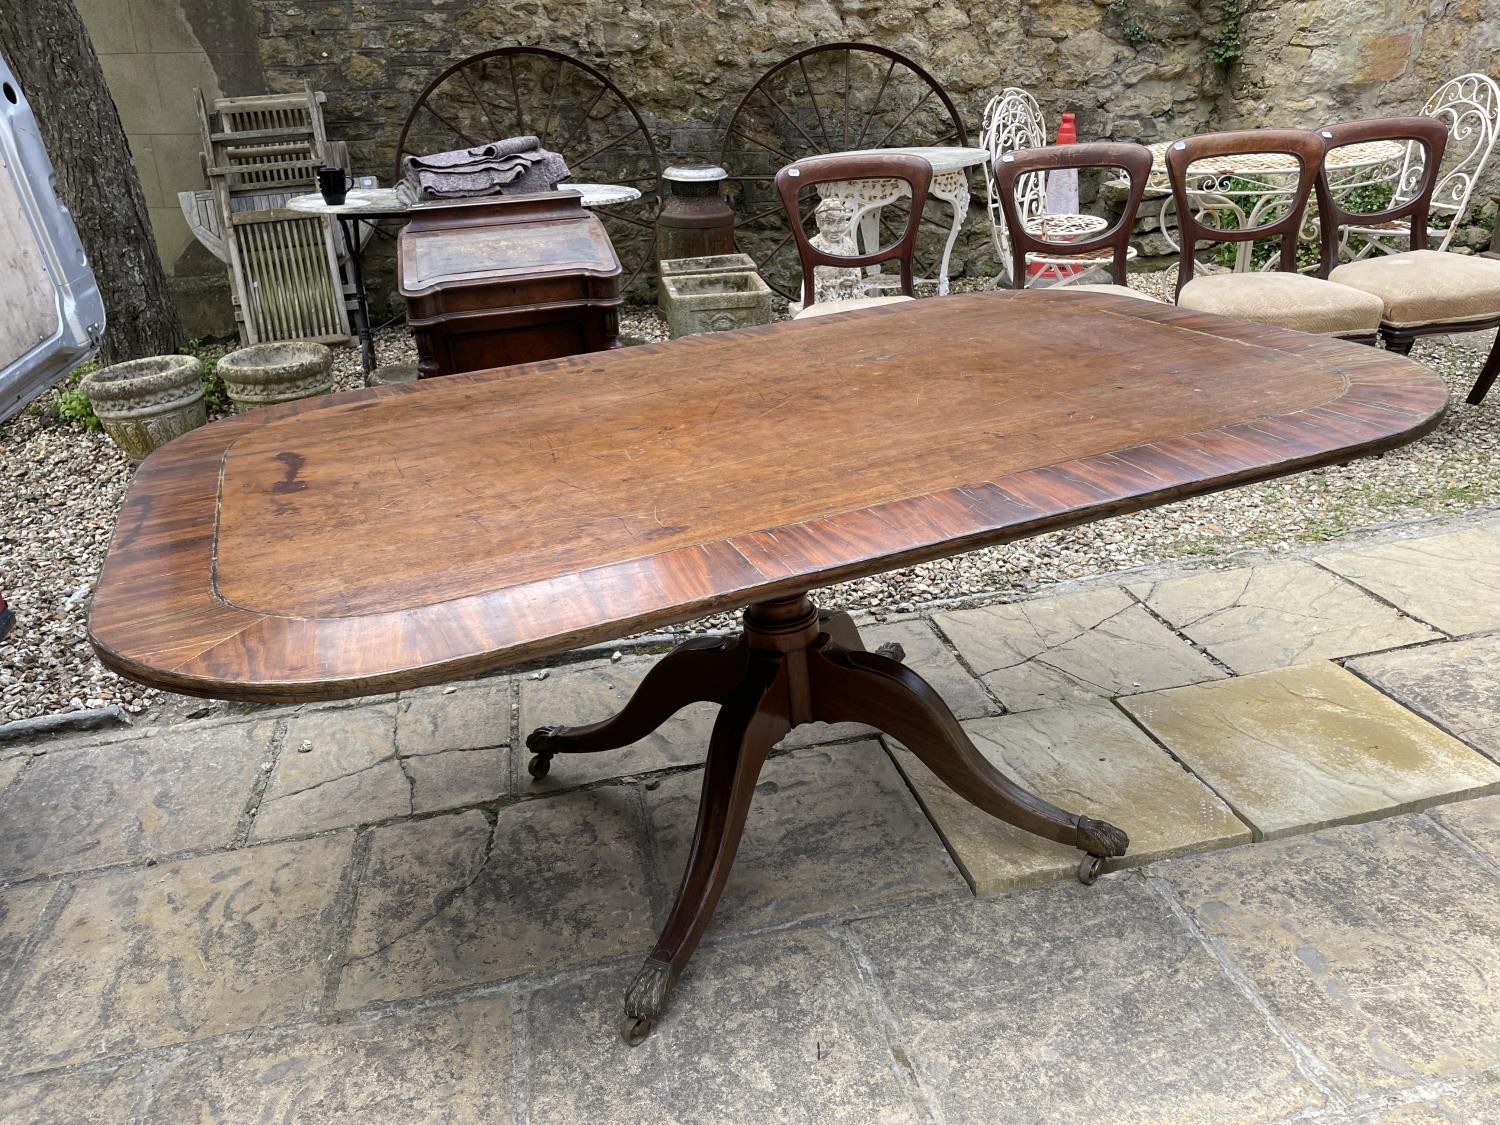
(1248,188)
(863,199)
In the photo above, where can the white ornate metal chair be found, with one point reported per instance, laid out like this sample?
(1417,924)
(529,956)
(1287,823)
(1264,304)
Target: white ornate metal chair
(1013,121)
(1469,106)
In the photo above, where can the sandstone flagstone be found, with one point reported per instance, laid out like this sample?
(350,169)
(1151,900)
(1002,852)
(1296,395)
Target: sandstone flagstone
(450,1063)
(101,1095)
(832,828)
(1284,613)
(1456,683)
(1072,648)
(163,955)
(337,768)
(1373,943)
(88,806)
(467,716)
(1451,581)
(1296,749)
(1069,1003)
(20,909)
(457,777)
(10,768)
(772,1029)
(449,901)
(1477,1100)
(1478,822)
(345,766)
(574,696)
(1090,759)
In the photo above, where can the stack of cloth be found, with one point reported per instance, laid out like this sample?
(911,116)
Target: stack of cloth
(509,167)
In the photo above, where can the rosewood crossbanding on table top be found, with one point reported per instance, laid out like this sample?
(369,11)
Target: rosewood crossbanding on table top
(406,535)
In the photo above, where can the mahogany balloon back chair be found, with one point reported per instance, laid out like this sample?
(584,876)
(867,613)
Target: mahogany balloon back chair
(845,167)
(1034,239)
(1281,296)
(1421,291)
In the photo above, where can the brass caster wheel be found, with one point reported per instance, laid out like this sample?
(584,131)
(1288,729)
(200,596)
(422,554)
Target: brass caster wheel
(539,766)
(1089,868)
(635,1029)
(893,650)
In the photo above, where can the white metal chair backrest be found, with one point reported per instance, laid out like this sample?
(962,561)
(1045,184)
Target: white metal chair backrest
(1012,120)
(1469,106)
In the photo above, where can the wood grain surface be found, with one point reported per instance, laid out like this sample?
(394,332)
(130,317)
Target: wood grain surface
(410,534)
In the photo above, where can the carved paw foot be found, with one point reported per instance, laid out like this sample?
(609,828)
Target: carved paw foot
(1101,839)
(893,650)
(544,740)
(644,1000)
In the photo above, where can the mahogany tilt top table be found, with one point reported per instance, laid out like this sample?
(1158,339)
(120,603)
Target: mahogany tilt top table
(411,534)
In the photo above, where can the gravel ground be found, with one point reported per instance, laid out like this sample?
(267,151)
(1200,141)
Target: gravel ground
(60,489)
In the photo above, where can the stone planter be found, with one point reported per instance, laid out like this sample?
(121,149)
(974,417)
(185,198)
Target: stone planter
(145,403)
(263,374)
(711,263)
(713,302)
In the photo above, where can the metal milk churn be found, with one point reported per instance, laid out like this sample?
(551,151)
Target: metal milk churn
(695,220)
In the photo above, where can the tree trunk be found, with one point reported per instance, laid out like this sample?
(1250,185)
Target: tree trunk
(49,50)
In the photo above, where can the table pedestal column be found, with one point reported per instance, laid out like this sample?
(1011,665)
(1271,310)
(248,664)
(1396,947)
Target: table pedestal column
(793,665)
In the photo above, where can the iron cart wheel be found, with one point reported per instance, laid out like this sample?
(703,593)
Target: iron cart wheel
(571,107)
(831,98)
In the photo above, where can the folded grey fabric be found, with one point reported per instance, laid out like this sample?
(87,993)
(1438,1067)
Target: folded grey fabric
(509,167)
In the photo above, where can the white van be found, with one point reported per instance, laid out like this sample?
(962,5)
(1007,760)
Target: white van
(51,314)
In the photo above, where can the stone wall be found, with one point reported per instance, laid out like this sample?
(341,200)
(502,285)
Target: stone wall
(1130,69)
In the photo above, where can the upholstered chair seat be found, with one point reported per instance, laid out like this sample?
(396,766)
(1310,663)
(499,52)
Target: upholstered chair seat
(1291,300)
(1427,287)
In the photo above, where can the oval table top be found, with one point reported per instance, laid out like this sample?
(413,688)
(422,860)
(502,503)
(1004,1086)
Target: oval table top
(405,535)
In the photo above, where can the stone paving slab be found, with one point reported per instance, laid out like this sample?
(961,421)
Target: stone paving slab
(832,829)
(574,696)
(1374,944)
(474,715)
(1073,648)
(347,775)
(106,1095)
(20,908)
(769,1030)
(1478,822)
(169,954)
(450,1063)
(9,769)
(445,902)
(84,807)
(1456,683)
(1088,759)
(457,777)
(341,767)
(1279,614)
(930,658)
(1451,581)
(1296,749)
(1471,1103)
(1071,1003)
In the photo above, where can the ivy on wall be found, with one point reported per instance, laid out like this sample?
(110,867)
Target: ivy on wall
(1228,44)
(1132,30)
(1226,47)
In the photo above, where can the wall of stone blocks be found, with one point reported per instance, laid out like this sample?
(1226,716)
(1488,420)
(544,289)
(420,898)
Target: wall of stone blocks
(686,62)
